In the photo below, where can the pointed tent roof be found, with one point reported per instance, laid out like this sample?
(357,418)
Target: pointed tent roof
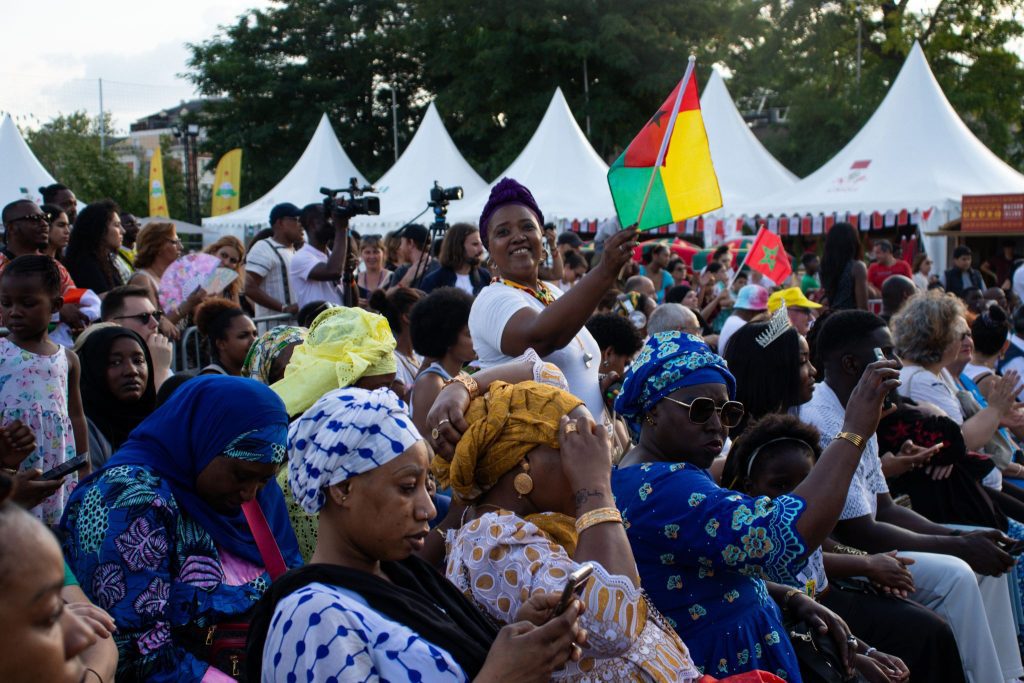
(745,169)
(913,153)
(564,173)
(21,174)
(405,188)
(323,164)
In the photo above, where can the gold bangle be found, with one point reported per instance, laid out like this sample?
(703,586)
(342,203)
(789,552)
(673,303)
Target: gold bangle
(465,380)
(856,439)
(598,516)
(786,598)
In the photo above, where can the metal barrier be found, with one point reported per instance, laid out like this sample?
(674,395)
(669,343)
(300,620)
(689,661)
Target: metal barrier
(188,350)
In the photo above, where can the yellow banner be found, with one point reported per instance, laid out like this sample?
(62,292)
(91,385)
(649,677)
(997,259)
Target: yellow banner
(228,183)
(157,192)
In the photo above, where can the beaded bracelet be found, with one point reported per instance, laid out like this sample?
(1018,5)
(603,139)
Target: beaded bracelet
(598,516)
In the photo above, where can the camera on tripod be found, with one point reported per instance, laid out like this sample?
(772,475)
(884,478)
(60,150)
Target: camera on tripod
(356,204)
(440,196)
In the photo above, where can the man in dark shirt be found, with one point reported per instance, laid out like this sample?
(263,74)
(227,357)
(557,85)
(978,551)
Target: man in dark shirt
(961,275)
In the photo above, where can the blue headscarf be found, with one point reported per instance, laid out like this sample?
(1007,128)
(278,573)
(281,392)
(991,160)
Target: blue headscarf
(669,361)
(209,416)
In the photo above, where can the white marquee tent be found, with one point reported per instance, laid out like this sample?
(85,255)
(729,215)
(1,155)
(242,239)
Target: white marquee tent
(21,174)
(746,170)
(566,176)
(913,155)
(323,164)
(405,189)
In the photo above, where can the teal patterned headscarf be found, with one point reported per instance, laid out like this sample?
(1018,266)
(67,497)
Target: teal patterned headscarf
(669,361)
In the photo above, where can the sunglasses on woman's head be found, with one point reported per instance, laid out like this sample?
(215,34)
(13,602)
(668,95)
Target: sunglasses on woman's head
(702,408)
(142,317)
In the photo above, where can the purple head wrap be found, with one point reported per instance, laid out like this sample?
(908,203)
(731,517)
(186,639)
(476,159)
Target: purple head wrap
(506,192)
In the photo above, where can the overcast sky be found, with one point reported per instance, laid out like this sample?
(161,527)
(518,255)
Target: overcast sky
(53,51)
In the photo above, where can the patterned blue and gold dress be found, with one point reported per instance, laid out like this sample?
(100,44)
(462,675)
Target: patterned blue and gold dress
(702,551)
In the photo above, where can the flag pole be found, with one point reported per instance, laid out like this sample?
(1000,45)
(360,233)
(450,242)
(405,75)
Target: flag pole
(746,256)
(668,133)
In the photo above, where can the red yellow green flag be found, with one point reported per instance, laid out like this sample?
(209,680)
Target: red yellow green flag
(684,181)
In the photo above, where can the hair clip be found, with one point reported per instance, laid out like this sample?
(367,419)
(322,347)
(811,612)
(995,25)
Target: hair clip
(777,326)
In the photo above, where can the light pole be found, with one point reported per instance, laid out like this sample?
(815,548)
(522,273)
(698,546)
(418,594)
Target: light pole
(189,136)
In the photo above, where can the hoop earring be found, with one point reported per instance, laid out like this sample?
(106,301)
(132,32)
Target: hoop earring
(523,482)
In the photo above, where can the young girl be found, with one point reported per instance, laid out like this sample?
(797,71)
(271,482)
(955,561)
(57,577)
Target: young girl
(39,381)
(229,333)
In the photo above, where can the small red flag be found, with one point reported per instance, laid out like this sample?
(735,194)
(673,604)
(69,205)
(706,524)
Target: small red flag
(767,257)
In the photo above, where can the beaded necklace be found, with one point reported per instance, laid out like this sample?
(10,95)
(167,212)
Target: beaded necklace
(546,297)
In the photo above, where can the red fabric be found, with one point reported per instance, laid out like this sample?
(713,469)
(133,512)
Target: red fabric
(643,150)
(264,537)
(746,677)
(767,257)
(877,273)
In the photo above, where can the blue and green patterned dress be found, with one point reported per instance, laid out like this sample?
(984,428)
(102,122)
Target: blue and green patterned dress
(701,551)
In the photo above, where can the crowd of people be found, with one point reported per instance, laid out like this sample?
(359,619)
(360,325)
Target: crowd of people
(530,459)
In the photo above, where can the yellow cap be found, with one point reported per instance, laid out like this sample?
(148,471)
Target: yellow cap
(792,297)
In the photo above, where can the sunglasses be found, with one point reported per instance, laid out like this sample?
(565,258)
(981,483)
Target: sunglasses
(33,218)
(702,408)
(142,317)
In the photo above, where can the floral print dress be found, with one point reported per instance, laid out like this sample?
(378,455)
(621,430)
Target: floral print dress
(702,552)
(154,569)
(34,389)
(499,560)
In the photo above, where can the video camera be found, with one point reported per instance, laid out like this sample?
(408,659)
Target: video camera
(355,205)
(439,199)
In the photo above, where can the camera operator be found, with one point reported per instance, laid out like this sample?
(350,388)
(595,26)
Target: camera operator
(318,267)
(417,263)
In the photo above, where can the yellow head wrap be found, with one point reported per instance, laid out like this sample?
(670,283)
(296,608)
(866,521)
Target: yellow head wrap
(504,427)
(343,344)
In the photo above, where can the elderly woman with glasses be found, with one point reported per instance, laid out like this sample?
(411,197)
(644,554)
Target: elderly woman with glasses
(701,550)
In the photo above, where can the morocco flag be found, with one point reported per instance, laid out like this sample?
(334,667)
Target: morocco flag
(767,257)
(684,183)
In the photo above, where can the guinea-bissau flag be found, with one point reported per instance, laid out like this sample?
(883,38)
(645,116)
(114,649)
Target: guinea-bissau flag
(685,184)
(767,257)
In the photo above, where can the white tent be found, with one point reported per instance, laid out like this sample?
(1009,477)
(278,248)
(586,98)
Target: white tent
(405,189)
(914,154)
(746,170)
(323,164)
(21,174)
(564,173)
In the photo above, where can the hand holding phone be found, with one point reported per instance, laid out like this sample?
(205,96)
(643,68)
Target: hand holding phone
(573,585)
(892,398)
(67,467)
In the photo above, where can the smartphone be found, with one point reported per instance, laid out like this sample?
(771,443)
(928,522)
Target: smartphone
(573,585)
(64,469)
(1015,548)
(891,398)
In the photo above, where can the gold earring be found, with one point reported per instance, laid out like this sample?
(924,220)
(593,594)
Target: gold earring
(523,482)
(650,420)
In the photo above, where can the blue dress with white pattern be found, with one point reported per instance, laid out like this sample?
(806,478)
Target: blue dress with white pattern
(327,634)
(702,552)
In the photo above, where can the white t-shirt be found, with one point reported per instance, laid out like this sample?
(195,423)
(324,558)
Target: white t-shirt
(305,290)
(464,283)
(729,327)
(264,259)
(825,412)
(922,386)
(1018,362)
(492,310)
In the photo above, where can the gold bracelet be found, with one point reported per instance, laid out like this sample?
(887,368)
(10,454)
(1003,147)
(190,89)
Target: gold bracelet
(598,516)
(856,439)
(467,381)
(786,598)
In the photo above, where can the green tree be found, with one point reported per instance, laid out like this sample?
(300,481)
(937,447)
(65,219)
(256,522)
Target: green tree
(69,147)
(806,62)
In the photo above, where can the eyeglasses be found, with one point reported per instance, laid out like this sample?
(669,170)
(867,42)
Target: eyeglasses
(142,317)
(702,408)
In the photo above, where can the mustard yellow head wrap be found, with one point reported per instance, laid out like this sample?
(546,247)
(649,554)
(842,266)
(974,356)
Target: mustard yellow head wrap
(504,426)
(343,344)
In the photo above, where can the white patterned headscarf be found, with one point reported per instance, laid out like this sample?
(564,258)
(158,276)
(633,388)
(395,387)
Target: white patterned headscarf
(346,432)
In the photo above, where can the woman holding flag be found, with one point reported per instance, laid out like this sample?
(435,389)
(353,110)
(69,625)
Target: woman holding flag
(519,312)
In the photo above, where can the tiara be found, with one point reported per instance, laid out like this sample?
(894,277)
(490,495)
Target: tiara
(777,326)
